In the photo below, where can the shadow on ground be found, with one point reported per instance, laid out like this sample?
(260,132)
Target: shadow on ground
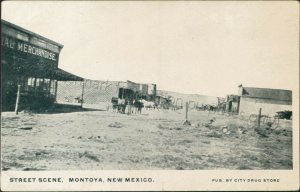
(58,108)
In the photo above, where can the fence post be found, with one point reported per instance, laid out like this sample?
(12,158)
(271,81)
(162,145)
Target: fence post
(17,101)
(186,122)
(82,93)
(258,118)
(186,110)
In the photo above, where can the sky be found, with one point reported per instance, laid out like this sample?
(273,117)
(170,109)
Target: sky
(198,47)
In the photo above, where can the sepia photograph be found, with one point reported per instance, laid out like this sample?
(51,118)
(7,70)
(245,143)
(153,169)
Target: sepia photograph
(113,95)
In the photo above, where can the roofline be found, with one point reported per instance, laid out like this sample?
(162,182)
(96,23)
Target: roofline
(268,88)
(140,83)
(72,75)
(31,33)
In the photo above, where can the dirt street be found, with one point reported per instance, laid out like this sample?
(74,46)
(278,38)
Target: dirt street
(95,140)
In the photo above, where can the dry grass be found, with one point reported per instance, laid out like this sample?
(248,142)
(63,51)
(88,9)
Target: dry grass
(99,140)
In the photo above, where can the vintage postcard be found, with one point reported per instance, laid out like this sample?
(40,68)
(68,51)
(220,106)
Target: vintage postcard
(149,95)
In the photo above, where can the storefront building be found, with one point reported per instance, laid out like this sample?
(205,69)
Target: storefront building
(30,61)
(99,94)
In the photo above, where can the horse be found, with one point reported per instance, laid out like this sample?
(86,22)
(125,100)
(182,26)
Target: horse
(138,105)
(148,104)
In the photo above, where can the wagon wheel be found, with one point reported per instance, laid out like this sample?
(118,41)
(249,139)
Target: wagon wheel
(275,122)
(253,118)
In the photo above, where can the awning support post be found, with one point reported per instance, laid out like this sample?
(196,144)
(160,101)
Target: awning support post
(18,98)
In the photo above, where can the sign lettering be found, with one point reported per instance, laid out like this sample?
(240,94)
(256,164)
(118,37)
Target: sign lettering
(27,48)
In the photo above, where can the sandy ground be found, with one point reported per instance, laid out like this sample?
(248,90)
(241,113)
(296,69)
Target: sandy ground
(95,140)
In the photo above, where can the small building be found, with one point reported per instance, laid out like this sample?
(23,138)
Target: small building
(270,100)
(232,103)
(194,100)
(161,99)
(29,61)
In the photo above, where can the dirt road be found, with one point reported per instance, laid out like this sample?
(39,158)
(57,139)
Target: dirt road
(95,140)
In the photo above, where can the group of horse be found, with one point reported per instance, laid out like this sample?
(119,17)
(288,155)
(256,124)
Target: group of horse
(136,106)
(215,108)
(133,106)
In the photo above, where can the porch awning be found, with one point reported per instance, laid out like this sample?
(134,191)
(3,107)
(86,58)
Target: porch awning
(54,73)
(62,75)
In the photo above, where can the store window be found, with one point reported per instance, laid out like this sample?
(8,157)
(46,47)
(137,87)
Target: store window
(46,85)
(53,87)
(30,83)
(40,85)
(43,85)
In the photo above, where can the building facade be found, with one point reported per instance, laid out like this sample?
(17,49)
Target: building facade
(99,94)
(179,99)
(29,61)
(269,100)
(232,103)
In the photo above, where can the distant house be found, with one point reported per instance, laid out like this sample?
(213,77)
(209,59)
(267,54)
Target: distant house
(232,103)
(180,99)
(160,99)
(270,100)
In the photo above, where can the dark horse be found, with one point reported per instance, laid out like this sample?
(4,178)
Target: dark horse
(138,105)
